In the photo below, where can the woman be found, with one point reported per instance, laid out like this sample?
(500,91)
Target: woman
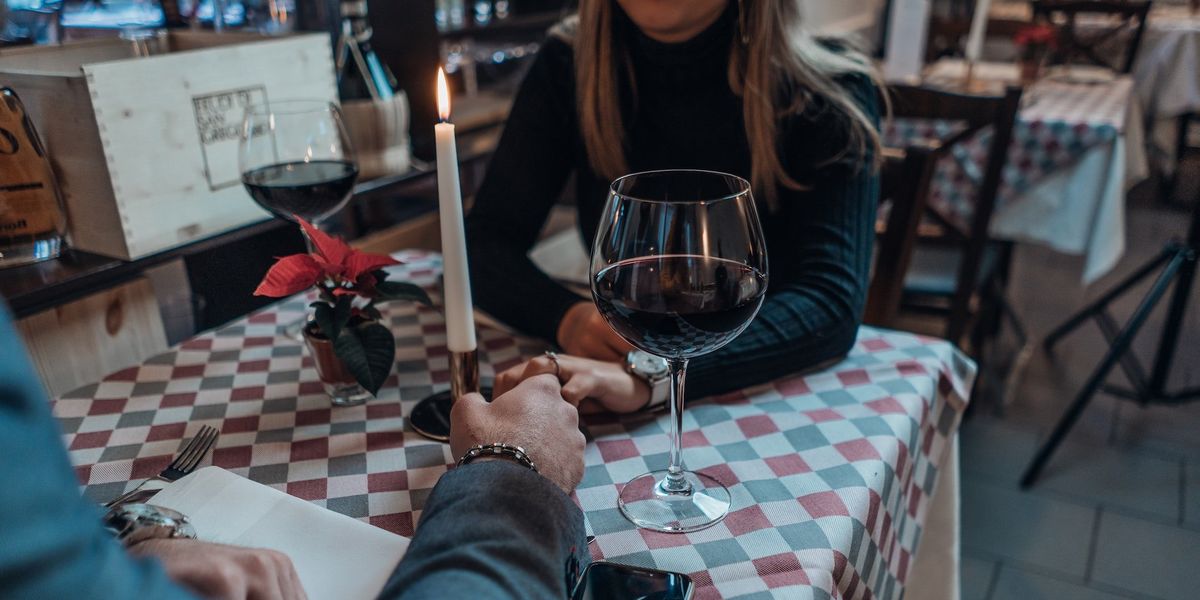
(723,85)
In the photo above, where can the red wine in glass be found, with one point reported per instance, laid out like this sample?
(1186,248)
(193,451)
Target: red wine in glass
(310,190)
(679,306)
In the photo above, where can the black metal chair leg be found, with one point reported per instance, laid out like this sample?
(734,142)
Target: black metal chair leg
(1119,347)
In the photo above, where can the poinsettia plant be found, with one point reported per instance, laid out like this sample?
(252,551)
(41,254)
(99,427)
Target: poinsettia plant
(1034,41)
(350,284)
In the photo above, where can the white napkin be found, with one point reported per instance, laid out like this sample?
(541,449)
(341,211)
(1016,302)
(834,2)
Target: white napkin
(336,556)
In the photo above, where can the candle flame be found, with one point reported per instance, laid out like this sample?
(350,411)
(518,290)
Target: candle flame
(443,96)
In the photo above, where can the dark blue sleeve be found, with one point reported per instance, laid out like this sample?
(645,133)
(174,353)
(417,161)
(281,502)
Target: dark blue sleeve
(820,259)
(493,530)
(524,179)
(51,542)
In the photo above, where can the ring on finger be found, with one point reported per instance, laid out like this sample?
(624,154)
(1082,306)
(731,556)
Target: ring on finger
(553,356)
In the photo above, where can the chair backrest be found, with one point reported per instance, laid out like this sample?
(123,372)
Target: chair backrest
(948,34)
(905,177)
(1121,25)
(975,113)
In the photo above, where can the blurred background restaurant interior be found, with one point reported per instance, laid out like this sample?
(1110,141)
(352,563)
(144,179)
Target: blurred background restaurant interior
(1115,514)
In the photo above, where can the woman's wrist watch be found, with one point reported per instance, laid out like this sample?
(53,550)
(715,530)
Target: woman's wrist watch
(135,523)
(655,372)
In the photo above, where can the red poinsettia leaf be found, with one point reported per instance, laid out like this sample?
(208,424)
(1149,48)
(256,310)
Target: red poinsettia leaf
(362,263)
(332,249)
(341,291)
(331,270)
(289,275)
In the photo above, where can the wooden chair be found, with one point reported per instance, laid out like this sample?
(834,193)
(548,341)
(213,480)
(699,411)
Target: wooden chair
(955,266)
(905,177)
(948,34)
(1074,44)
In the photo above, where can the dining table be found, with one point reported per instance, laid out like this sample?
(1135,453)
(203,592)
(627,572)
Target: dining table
(1078,146)
(844,480)
(1166,72)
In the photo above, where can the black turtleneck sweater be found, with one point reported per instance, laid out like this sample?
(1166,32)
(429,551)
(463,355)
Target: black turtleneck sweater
(684,116)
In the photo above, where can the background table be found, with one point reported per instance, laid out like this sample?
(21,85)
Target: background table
(832,473)
(1167,71)
(1077,148)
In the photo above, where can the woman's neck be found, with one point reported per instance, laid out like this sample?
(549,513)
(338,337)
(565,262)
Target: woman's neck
(685,32)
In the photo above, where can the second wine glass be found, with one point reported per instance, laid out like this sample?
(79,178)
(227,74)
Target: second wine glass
(679,269)
(296,159)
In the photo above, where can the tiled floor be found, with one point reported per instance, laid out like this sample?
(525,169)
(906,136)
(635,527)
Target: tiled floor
(1117,511)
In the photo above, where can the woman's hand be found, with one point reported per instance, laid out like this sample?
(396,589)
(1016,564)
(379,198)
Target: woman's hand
(583,332)
(605,382)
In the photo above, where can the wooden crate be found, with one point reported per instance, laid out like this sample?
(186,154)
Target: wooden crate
(146,148)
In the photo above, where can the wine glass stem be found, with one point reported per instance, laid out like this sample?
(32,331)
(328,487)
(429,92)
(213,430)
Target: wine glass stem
(674,481)
(308,243)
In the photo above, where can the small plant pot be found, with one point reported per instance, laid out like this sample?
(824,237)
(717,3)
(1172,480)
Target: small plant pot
(339,382)
(1031,71)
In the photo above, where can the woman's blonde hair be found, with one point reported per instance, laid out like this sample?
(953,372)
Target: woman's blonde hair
(776,66)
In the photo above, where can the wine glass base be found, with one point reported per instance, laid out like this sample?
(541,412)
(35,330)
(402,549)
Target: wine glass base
(646,503)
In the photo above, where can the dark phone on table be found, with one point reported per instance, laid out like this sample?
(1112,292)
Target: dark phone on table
(610,581)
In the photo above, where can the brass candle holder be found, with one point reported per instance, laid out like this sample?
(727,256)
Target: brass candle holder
(431,416)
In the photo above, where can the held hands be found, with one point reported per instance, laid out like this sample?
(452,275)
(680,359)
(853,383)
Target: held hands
(608,383)
(584,332)
(225,572)
(531,415)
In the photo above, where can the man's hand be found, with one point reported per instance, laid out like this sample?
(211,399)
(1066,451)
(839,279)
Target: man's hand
(225,572)
(605,382)
(584,332)
(532,415)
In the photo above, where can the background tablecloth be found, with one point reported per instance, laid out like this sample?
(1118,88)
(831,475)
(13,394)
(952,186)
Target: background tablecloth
(1077,148)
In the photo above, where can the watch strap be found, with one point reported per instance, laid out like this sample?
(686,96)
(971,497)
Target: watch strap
(660,393)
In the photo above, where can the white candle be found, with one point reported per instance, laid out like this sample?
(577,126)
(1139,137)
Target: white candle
(908,25)
(460,319)
(978,27)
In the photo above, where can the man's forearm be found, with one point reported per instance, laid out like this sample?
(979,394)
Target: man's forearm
(493,530)
(53,545)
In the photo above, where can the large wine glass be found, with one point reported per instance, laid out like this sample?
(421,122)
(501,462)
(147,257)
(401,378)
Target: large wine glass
(679,269)
(296,159)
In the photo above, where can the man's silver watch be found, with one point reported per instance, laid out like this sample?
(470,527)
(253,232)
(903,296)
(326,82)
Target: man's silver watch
(655,372)
(134,523)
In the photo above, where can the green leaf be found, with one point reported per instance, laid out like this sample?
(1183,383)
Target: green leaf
(399,290)
(323,314)
(341,311)
(372,312)
(369,351)
(332,319)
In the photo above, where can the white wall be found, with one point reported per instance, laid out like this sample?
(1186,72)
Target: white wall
(841,16)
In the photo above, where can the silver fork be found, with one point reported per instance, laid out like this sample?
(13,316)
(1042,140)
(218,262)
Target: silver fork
(185,462)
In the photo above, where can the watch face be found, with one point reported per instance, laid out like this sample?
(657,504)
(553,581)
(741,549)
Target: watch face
(648,364)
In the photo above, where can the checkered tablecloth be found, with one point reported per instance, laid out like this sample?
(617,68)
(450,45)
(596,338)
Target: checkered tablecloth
(1059,122)
(831,473)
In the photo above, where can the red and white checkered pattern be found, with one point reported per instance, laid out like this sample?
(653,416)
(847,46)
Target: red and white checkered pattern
(830,473)
(1058,124)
